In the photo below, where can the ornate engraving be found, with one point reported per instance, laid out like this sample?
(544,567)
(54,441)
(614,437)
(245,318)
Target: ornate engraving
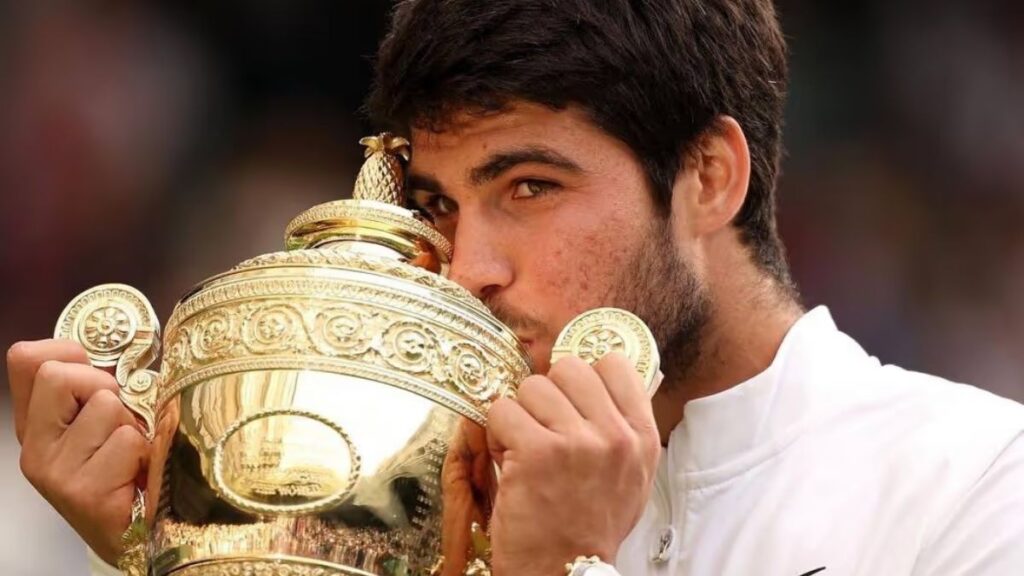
(410,347)
(179,352)
(271,327)
(118,328)
(292,482)
(477,567)
(105,319)
(107,328)
(381,176)
(343,330)
(133,559)
(598,342)
(592,335)
(378,331)
(468,371)
(293,541)
(387,267)
(215,335)
(274,567)
(369,210)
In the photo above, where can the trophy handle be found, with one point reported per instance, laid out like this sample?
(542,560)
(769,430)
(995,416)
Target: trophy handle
(595,333)
(118,328)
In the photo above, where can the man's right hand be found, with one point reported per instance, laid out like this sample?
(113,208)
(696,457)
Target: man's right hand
(80,446)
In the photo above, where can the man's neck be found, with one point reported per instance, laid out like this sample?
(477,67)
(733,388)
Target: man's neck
(739,342)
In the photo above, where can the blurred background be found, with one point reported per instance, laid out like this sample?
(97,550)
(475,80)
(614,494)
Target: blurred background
(157,143)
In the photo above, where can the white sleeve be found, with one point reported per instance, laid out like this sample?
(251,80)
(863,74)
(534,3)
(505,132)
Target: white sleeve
(985,534)
(97,567)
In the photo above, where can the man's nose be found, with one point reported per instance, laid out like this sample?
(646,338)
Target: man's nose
(480,262)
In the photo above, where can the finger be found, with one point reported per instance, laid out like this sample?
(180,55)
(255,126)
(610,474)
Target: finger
(24,360)
(584,388)
(547,404)
(58,393)
(510,427)
(120,459)
(102,415)
(626,388)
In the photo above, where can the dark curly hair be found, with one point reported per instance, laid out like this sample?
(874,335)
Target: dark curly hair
(656,74)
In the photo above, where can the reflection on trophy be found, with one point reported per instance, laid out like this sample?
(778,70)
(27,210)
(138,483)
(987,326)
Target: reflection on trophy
(321,411)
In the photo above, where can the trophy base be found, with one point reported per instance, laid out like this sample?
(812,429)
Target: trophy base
(269,566)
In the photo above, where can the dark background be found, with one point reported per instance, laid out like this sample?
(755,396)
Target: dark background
(157,143)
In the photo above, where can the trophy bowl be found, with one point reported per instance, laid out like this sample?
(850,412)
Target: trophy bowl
(319,411)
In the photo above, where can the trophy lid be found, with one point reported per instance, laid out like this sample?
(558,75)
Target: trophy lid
(376,215)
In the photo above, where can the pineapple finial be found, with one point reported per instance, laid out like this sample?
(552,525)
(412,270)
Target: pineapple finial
(381,177)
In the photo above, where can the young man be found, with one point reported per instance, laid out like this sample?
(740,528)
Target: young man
(585,153)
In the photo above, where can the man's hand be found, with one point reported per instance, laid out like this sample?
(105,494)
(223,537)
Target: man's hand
(80,446)
(578,452)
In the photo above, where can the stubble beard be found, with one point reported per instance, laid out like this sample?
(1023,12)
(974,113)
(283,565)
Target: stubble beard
(662,289)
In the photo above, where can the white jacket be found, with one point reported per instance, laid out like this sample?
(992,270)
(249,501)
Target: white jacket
(830,460)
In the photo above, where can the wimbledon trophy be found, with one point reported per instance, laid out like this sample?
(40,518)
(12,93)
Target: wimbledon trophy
(320,411)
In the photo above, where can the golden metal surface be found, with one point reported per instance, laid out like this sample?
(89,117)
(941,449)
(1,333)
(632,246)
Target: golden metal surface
(381,176)
(118,328)
(133,560)
(344,321)
(397,228)
(376,216)
(315,484)
(578,566)
(600,331)
(319,411)
(282,566)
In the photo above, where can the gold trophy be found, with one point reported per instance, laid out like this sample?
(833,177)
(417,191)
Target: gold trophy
(320,411)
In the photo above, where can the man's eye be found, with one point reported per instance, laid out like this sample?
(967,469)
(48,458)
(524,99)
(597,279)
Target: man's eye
(436,205)
(531,189)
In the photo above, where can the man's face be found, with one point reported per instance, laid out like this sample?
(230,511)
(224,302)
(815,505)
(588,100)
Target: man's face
(551,217)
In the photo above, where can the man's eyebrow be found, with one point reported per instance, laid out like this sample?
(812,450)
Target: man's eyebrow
(423,182)
(500,162)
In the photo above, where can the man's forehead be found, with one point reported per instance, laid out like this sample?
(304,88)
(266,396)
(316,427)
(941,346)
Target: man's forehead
(484,128)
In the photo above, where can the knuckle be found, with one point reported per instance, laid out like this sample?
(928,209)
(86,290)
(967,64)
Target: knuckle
(649,448)
(531,385)
(581,444)
(558,447)
(51,373)
(106,402)
(619,444)
(128,438)
(654,456)
(614,358)
(498,408)
(29,466)
(18,353)
(38,471)
(79,493)
(567,366)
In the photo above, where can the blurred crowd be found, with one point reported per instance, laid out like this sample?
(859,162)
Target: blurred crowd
(157,143)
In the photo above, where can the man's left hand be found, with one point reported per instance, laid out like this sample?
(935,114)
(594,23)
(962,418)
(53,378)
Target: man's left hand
(578,451)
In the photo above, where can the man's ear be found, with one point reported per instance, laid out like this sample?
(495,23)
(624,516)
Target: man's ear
(712,186)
